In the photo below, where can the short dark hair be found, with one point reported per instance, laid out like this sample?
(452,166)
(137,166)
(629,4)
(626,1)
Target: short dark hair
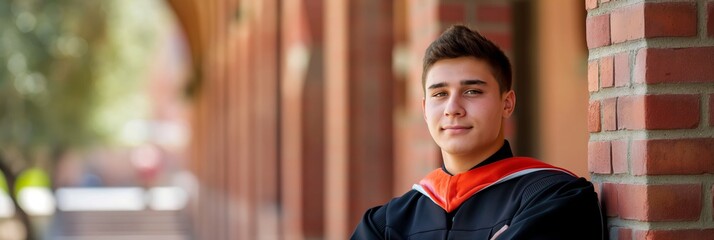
(461,41)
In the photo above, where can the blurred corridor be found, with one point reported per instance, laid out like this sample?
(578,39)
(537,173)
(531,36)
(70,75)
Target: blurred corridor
(272,119)
(287,119)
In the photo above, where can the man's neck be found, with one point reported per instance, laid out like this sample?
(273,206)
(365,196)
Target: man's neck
(456,164)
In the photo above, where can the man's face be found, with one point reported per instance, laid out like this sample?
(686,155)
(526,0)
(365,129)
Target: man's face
(463,106)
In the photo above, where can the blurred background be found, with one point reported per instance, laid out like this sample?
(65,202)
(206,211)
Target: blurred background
(251,119)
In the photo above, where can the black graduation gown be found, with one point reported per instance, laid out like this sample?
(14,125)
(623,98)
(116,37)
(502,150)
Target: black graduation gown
(543,204)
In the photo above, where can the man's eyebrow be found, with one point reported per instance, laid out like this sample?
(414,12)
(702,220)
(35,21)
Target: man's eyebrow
(437,85)
(473,82)
(463,83)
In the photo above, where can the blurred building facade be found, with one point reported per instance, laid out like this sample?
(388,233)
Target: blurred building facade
(307,112)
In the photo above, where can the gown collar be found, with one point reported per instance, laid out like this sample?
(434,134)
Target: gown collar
(449,192)
(502,153)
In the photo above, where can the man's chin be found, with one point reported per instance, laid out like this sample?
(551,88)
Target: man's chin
(457,150)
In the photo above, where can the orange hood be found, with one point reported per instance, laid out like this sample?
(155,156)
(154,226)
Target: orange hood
(449,192)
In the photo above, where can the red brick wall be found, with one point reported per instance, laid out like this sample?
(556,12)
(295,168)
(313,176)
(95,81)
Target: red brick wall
(650,80)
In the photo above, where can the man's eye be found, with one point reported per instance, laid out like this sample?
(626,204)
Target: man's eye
(439,94)
(473,92)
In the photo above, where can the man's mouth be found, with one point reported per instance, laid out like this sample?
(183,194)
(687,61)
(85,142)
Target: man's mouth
(456,128)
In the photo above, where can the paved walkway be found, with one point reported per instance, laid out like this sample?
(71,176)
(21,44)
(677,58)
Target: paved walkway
(115,225)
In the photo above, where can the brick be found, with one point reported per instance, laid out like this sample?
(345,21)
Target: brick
(678,19)
(630,23)
(452,12)
(622,69)
(667,202)
(593,76)
(672,156)
(609,117)
(594,116)
(657,112)
(682,65)
(675,234)
(673,19)
(590,4)
(675,111)
(494,13)
(619,156)
(710,20)
(598,31)
(606,72)
(630,112)
(599,157)
(609,199)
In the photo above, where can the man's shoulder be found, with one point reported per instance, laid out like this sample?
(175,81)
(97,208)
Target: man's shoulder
(551,183)
(410,197)
(408,205)
(547,176)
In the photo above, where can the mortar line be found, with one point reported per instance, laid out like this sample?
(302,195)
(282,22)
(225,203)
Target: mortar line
(702,19)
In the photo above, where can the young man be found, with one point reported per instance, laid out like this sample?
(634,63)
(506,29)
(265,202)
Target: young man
(481,190)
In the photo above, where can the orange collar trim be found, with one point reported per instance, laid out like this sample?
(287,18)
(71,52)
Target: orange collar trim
(449,192)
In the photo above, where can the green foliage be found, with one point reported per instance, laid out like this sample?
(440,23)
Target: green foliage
(3,184)
(132,34)
(70,74)
(71,71)
(32,177)
(46,78)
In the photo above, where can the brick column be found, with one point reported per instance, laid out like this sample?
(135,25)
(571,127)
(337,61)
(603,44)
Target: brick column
(237,211)
(651,149)
(243,201)
(221,141)
(302,120)
(358,111)
(208,176)
(264,31)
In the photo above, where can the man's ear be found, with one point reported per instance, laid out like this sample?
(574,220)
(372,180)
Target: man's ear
(509,103)
(423,108)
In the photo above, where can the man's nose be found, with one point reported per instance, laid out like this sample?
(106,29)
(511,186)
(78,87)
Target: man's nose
(454,108)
